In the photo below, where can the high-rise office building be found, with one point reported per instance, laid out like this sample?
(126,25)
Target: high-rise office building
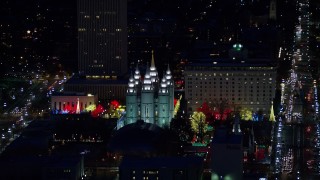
(102,38)
(273,10)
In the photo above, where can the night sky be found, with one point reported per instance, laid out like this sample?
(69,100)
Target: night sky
(172,27)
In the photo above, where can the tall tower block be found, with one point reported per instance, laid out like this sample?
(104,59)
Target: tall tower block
(273,10)
(102,38)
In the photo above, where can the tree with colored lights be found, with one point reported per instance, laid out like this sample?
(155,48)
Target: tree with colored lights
(97,111)
(176,106)
(91,108)
(115,109)
(206,111)
(221,109)
(119,111)
(182,127)
(246,114)
(114,104)
(198,123)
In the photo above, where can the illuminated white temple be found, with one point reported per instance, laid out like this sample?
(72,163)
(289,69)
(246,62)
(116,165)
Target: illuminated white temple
(149,99)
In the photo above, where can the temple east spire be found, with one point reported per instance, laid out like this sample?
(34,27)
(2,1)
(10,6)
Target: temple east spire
(152,61)
(131,85)
(153,69)
(137,76)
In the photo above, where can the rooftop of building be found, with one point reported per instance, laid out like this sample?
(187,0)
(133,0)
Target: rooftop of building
(237,55)
(162,162)
(33,141)
(140,139)
(71,94)
(223,137)
(76,79)
(29,167)
(56,160)
(228,62)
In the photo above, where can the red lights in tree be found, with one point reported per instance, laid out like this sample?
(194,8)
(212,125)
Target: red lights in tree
(115,104)
(206,111)
(175,101)
(99,109)
(217,114)
(180,82)
(67,107)
(226,113)
(260,154)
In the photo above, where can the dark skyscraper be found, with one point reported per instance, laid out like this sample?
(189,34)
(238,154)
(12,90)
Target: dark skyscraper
(102,38)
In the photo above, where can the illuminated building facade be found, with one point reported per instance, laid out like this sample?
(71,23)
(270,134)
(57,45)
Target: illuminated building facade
(240,81)
(149,99)
(74,103)
(102,38)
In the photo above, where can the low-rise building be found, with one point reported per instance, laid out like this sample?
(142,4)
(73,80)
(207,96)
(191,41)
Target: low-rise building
(71,101)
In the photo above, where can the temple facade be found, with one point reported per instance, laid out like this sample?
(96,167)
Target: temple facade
(148,98)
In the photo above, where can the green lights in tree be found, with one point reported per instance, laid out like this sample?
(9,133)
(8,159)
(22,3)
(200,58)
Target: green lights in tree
(198,123)
(91,107)
(246,114)
(177,106)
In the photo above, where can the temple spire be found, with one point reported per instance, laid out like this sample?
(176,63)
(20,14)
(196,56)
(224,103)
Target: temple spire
(168,75)
(136,75)
(131,84)
(152,60)
(153,70)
